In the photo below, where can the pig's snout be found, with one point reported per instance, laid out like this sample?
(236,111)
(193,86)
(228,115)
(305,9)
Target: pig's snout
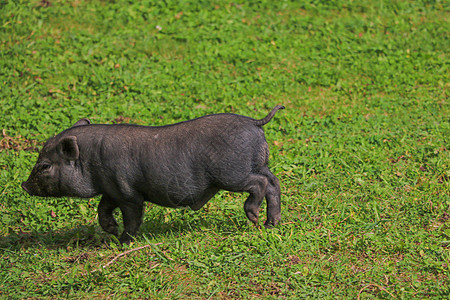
(24,186)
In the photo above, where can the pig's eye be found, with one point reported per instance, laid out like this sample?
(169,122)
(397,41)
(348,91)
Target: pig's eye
(45,167)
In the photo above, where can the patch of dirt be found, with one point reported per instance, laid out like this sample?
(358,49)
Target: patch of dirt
(77,258)
(294,260)
(445,217)
(17,143)
(122,119)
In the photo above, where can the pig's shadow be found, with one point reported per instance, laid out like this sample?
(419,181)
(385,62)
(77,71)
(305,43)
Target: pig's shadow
(92,236)
(81,236)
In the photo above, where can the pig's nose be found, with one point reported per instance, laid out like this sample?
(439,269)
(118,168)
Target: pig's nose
(25,187)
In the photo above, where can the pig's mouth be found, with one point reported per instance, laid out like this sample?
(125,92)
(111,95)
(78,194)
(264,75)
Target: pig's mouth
(25,186)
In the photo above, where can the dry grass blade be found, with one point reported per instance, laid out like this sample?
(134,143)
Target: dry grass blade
(129,251)
(376,285)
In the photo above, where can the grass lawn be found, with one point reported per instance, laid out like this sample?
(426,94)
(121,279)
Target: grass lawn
(361,150)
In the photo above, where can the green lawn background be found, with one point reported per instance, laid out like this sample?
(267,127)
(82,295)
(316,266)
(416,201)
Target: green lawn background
(361,148)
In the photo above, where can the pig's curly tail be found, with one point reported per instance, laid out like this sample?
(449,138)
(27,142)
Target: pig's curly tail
(269,116)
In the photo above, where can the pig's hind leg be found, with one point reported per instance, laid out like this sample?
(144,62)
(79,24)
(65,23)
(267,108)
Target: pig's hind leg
(105,216)
(273,195)
(256,185)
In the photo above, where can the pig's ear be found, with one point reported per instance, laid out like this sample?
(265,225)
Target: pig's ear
(84,121)
(67,148)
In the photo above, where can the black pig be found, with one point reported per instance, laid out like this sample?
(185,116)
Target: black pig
(179,165)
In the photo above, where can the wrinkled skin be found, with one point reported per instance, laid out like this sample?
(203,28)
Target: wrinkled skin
(179,165)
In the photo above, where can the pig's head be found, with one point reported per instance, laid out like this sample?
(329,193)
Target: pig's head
(57,170)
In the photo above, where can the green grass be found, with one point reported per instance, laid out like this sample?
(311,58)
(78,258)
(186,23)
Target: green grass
(362,148)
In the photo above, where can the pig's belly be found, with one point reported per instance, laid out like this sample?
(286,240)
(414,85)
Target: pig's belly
(175,198)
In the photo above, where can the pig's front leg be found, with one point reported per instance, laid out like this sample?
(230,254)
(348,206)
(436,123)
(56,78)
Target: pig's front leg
(132,218)
(105,216)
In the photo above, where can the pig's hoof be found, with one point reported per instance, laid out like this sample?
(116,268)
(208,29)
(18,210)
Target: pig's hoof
(112,229)
(252,217)
(125,239)
(270,225)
